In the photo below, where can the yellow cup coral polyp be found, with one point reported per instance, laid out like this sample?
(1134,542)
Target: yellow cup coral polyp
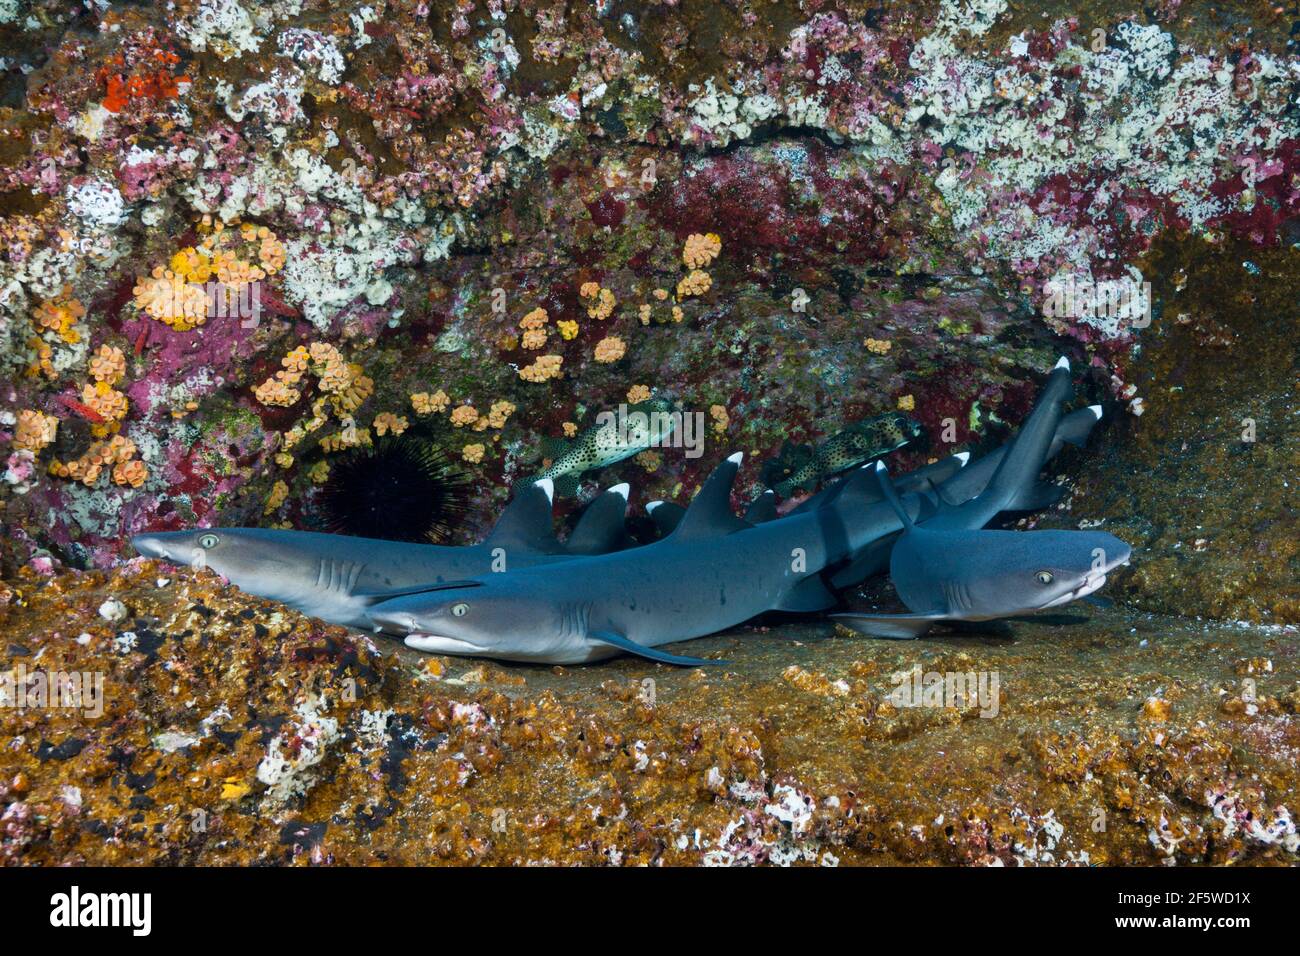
(464,415)
(695,283)
(131,473)
(386,422)
(35,430)
(171,300)
(498,413)
(60,316)
(610,349)
(108,365)
(118,454)
(545,367)
(700,250)
(426,404)
(105,401)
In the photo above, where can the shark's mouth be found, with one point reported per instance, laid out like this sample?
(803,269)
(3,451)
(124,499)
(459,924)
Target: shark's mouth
(1090,584)
(1093,582)
(438,644)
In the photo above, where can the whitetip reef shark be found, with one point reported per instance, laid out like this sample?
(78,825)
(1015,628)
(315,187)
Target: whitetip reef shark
(947,569)
(712,572)
(946,574)
(338,578)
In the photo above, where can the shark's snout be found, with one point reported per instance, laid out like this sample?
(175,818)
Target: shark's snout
(151,546)
(1116,554)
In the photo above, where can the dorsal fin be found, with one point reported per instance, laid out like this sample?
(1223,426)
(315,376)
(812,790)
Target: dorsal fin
(526,521)
(666,516)
(762,508)
(710,512)
(890,495)
(600,529)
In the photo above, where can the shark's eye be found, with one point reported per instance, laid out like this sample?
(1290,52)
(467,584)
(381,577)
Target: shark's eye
(1044,577)
(459,610)
(208,541)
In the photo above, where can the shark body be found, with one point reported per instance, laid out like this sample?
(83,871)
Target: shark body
(712,572)
(947,568)
(338,578)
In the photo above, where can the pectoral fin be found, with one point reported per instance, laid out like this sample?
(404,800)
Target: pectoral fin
(899,627)
(807,596)
(632,647)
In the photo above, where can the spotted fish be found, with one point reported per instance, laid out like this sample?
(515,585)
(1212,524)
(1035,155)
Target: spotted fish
(802,467)
(615,436)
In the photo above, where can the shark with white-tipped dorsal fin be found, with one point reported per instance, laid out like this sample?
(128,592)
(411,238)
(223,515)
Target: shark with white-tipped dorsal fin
(338,578)
(946,568)
(713,571)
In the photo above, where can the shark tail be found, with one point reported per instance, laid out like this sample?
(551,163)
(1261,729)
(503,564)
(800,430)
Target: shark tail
(1019,467)
(1075,428)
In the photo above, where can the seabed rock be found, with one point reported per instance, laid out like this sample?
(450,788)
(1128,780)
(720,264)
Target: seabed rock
(236,243)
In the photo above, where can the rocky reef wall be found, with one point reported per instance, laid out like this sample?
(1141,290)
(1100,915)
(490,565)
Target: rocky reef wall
(239,239)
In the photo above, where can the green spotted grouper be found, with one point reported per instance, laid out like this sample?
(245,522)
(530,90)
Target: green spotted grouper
(617,435)
(799,467)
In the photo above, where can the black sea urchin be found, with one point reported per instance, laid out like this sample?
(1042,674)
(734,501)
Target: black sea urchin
(400,489)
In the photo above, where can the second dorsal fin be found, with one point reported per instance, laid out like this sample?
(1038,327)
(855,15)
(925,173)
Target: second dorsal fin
(600,529)
(710,512)
(526,521)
